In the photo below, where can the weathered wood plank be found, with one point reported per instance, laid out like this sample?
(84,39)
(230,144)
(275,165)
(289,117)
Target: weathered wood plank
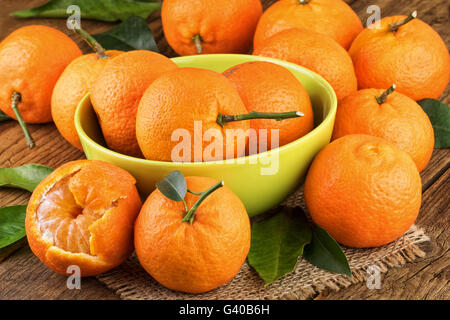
(24,277)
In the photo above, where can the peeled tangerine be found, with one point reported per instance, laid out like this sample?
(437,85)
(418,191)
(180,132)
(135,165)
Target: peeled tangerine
(83,214)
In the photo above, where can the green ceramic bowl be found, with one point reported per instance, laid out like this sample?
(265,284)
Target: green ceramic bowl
(261,181)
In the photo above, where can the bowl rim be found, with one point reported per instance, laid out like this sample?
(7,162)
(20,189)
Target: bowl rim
(329,118)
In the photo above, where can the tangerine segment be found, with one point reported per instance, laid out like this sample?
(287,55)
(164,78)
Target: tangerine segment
(83,213)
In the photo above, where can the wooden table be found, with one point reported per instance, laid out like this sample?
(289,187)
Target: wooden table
(22,276)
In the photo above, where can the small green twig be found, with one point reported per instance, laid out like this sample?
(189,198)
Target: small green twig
(189,217)
(198,43)
(383,97)
(196,193)
(185,205)
(97,47)
(223,119)
(394,26)
(16,97)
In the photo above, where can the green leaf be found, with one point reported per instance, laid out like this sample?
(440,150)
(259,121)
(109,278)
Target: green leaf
(25,177)
(4,116)
(103,10)
(12,224)
(324,252)
(8,250)
(173,186)
(132,34)
(277,243)
(439,115)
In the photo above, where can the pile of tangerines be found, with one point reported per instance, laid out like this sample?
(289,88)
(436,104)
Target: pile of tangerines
(364,188)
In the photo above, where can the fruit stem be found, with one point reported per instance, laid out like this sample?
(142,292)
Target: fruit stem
(16,97)
(303,1)
(196,193)
(198,43)
(189,217)
(393,27)
(383,97)
(222,119)
(97,47)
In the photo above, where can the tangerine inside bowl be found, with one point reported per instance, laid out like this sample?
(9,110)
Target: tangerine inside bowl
(261,181)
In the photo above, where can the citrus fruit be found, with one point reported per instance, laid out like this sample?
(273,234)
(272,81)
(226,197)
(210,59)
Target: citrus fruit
(177,102)
(83,214)
(31,60)
(210,26)
(388,115)
(365,191)
(405,51)
(333,18)
(316,52)
(73,84)
(202,253)
(116,93)
(268,87)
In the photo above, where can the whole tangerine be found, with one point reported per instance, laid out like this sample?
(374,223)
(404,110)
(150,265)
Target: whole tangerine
(405,51)
(210,26)
(333,18)
(31,60)
(116,93)
(194,251)
(388,115)
(268,87)
(365,191)
(316,52)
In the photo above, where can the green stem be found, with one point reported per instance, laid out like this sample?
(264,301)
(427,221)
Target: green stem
(196,193)
(189,217)
(198,43)
(97,47)
(16,97)
(383,97)
(394,26)
(303,1)
(223,119)
(185,205)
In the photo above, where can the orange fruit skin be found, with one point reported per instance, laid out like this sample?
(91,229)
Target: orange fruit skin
(93,187)
(224,26)
(31,60)
(195,257)
(365,191)
(268,87)
(415,58)
(73,84)
(178,99)
(400,120)
(116,93)
(333,18)
(316,52)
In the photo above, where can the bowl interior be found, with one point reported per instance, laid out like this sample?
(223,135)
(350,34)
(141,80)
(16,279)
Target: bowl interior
(258,192)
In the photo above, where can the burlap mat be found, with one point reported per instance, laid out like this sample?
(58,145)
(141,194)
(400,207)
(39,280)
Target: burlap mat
(130,281)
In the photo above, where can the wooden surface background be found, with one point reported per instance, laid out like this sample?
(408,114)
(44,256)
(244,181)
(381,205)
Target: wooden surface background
(23,276)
